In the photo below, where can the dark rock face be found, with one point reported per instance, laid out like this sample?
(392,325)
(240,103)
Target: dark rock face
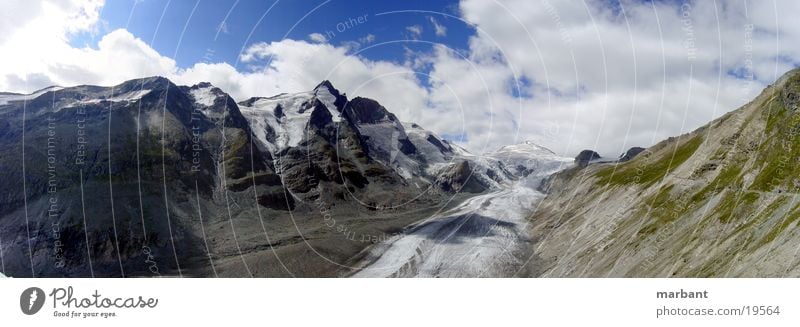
(279,112)
(461,178)
(585,157)
(320,117)
(630,154)
(439,145)
(367,111)
(280,200)
(381,134)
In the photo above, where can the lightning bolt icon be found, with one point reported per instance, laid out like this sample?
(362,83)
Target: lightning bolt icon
(33,297)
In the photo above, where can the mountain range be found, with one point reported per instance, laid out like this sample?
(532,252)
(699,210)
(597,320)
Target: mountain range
(148,179)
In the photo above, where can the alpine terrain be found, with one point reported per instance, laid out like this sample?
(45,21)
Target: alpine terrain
(148,178)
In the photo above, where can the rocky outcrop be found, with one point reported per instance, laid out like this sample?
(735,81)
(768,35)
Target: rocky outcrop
(585,157)
(460,177)
(630,154)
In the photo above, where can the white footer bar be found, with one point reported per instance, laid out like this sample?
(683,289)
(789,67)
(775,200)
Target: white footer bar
(400,302)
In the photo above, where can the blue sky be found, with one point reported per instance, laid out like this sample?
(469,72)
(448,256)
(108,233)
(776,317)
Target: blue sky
(204,40)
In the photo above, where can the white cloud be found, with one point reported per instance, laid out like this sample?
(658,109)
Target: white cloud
(119,56)
(317,37)
(415,30)
(440,29)
(33,31)
(615,79)
(367,39)
(47,19)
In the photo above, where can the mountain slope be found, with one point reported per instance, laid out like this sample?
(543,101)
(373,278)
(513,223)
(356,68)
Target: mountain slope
(148,178)
(719,201)
(103,183)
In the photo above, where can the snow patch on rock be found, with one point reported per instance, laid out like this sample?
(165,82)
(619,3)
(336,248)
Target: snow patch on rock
(123,97)
(9,97)
(204,96)
(325,96)
(286,116)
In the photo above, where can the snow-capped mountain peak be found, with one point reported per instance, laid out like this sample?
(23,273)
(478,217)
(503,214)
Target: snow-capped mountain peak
(331,98)
(527,157)
(281,121)
(526,147)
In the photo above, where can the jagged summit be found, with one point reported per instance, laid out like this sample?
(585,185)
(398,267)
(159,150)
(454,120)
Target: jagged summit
(330,96)
(326,84)
(202,85)
(152,82)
